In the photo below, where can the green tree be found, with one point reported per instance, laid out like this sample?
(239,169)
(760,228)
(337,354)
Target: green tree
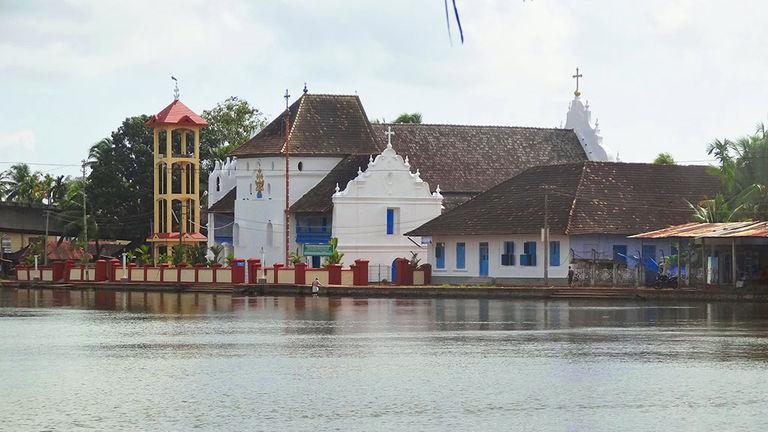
(743,171)
(664,159)
(414,118)
(230,123)
(21,185)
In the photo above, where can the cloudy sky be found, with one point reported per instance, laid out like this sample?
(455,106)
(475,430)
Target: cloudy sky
(661,75)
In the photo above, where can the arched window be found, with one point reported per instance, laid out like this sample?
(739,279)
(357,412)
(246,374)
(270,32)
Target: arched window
(270,234)
(300,166)
(236,234)
(250,188)
(273,165)
(269,189)
(247,166)
(218,184)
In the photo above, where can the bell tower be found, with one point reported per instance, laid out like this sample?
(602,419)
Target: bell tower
(176,168)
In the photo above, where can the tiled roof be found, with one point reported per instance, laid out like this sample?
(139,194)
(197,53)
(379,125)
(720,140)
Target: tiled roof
(584,198)
(28,219)
(225,204)
(471,159)
(319,125)
(319,198)
(176,114)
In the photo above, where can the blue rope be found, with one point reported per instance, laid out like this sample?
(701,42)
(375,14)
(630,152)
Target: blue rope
(458,21)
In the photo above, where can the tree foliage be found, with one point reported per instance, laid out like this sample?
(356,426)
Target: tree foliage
(414,118)
(230,123)
(664,159)
(743,171)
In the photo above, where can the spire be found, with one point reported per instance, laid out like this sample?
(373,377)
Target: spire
(175,88)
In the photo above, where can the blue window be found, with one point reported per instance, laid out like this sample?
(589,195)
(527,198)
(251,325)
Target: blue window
(554,253)
(390,221)
(440,255)
(508,254)
(460,247)
(620,254)
(528,258)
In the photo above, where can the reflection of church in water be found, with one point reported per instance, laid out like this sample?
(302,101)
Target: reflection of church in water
(367,183)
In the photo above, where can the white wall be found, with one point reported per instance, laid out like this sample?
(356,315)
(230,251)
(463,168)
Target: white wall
(253,216)
(360,211)
(495,248)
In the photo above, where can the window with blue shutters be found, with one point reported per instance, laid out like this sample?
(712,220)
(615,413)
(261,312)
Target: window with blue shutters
(440,255)
(528,258)
(508,254)
(620,254)
(390,221)
(460,247)
(554,253)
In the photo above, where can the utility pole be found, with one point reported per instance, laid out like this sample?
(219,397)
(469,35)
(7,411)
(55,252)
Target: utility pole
(85,224)
(45,242)
(287,178)
(546,238)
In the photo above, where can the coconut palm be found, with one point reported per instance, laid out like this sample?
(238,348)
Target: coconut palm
(21,184)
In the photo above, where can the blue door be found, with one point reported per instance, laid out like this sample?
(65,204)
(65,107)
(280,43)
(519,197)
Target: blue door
(394,271)
(483,259)
(315,262)
(649,264)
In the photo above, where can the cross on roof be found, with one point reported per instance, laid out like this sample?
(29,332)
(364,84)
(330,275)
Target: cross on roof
(389,134)
(577,76)
(287,97)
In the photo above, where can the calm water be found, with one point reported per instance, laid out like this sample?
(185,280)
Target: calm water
(86,360)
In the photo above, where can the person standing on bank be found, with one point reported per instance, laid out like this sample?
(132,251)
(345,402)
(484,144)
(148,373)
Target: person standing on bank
(571,273)
(316,286)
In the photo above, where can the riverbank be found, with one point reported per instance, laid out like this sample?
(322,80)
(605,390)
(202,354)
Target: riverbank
(385,291)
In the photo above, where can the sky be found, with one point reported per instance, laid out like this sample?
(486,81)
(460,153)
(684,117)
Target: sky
(660,75)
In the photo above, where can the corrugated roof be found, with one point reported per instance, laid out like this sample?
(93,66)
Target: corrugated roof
(709,230)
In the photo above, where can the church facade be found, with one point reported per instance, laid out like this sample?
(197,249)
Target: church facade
(348,179)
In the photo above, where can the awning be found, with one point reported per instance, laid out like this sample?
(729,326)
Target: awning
(709,230)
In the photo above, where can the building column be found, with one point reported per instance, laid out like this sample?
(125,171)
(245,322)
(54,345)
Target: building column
(169,180)
(196,172)
(734,274)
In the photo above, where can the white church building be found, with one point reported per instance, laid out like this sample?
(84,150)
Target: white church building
(348,178)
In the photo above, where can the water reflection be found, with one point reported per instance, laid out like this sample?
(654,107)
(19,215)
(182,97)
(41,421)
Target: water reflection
(182,361)
(414,314)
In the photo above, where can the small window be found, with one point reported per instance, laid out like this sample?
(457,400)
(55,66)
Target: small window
(554,253)
(508,254)
(620,254)
(460,261)
(528,258)
(270,235)
(250,188)
(236,235)
(440,255)
(218,184)
(390,221)
(300,167)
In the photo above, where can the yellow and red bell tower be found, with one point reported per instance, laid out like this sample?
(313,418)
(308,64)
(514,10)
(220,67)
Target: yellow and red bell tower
(176,170)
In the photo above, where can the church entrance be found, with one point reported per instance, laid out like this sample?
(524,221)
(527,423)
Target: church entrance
(484,259)
(315,262)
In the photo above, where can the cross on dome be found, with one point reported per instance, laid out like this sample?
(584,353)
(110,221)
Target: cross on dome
(389,134)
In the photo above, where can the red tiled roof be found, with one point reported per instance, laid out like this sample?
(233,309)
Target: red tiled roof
(176,114)
(175,235)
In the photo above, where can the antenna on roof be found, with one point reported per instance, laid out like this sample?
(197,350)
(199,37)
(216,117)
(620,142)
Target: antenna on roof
(175,88)
(305,88)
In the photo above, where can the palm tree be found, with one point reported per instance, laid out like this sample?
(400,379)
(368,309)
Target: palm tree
(21,184)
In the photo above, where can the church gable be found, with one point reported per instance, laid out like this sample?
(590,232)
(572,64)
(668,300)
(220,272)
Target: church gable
(386,176)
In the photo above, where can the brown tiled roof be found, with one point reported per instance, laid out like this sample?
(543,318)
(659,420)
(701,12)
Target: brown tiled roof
(318,199)
(584,198)
(320,125)
(471,159)
(225,204)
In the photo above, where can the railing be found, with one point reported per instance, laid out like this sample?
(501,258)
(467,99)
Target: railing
(313,234)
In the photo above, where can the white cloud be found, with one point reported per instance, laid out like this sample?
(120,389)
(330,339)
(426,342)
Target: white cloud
(17,145)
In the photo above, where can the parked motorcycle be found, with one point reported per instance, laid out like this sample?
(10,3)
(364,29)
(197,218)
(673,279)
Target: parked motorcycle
(665,281)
